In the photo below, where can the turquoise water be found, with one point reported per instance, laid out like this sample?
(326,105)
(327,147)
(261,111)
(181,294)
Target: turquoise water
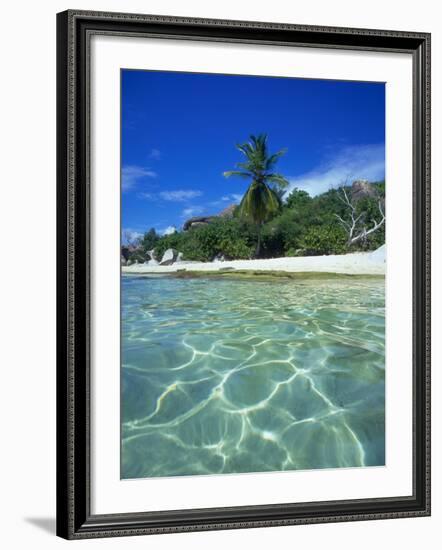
(224,376)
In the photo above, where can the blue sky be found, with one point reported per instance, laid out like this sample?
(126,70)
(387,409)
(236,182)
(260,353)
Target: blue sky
(179,131)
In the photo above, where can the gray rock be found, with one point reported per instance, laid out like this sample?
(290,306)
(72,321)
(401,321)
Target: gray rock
(179,258)
(219,258)
(378,255)
(228,211)
(197,221)
(123,260)
(361,189)
(169,257)
(151,255)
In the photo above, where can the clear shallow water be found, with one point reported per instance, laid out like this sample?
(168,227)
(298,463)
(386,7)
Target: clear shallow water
(224,376)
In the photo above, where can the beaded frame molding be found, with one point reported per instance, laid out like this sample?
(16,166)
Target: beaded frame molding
(74,517)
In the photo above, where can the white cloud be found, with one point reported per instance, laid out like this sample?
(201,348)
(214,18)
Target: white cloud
(233,197)
(131,175)
(169,230)
(180,195)
(155,154)
(192,211)
(146,196)
(350,163)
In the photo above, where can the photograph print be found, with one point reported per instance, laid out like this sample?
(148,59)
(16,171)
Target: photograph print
(253,223)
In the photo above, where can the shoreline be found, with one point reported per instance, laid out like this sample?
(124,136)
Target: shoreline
(359,263)
(261,276)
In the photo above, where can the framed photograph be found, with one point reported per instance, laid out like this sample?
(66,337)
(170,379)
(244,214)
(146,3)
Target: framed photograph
(243,274)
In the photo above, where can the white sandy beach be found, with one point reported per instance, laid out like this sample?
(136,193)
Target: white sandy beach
(360,263)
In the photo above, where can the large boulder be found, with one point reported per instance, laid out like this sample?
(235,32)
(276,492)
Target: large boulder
(228,212)
(361,189)
(219,258)
(151,255)
(378,255)
(197,221)
(169,257)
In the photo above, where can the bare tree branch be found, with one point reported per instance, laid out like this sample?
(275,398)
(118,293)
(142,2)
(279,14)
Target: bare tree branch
(343,222)
(352,225)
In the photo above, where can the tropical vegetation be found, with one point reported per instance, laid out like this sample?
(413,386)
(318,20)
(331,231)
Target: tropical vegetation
(302,226)
(269,222)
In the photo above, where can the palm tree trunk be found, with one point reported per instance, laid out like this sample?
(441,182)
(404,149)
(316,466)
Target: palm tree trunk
(258,246)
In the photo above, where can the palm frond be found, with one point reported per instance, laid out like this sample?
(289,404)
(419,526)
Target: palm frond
(260,147)
(237,173)
(279,179)
(246,149)
(279,192)
(273,159)
(259,203)
(248,166)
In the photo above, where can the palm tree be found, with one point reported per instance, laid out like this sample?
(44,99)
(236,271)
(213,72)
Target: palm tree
(263,197)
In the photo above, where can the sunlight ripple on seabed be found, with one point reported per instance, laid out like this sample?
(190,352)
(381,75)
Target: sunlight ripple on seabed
(232,376)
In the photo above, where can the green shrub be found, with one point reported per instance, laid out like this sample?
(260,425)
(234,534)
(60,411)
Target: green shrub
(174,240)
(150,239)
(230,237)
(327,239)
(298,199)
(294,252)
(235,249)
(137,256)
(233,238)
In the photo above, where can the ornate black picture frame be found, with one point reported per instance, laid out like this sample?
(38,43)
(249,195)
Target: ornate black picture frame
(74,518)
